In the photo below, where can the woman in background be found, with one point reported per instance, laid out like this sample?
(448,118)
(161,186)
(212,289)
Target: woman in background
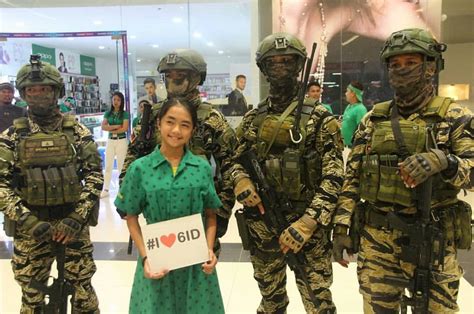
(116,123)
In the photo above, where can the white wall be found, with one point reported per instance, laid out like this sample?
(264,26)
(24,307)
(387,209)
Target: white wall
(459,69)
(106,70)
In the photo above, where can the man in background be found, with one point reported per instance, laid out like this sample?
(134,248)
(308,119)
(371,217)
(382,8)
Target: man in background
(353,112)
(8,112)
(314,91)
(237,105)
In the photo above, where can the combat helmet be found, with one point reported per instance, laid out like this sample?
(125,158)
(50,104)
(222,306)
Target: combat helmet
(184,59)
(414,40)
(280,44)
(39,73)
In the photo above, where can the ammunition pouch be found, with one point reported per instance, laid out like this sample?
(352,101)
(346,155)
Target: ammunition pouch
(9,226)
(243,229)
(456,223)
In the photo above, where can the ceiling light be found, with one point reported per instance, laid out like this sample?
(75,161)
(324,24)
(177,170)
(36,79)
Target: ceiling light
(197,35)
(210,43)
(155,46)
(177,20)
(101,47)
(220,52)
(129,53)
(139,60)
(98,22)
(133,36)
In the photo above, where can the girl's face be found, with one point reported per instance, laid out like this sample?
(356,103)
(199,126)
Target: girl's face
(116,102)
(176,127)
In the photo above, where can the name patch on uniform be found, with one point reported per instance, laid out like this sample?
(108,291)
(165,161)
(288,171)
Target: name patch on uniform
(47,143)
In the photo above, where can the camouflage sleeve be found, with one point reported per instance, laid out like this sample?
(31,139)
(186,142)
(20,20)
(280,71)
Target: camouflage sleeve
(328,143)
(461,137)
(349,195)
(10,201)
(91,172)
(225,142)
(247,135)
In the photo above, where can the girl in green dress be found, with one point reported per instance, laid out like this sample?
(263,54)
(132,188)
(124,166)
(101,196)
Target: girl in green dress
(170,183)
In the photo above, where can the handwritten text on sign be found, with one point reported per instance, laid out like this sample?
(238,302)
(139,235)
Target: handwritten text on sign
(175,243)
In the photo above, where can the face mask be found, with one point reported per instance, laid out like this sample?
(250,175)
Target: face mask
(182,86)
(42,105)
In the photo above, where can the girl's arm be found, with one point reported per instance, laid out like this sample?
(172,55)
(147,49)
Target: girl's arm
(211,227)
(136,234)
(121,128)
(107,127)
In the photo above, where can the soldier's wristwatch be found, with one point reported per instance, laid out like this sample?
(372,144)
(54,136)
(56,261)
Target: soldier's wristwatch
(452,168)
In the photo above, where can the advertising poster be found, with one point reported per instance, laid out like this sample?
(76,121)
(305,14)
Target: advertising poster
(87,65)
(349,36)
(67,61)
(47,54)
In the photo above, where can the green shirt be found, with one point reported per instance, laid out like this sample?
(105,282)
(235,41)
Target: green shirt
(63,108)
(149,188)
(328,107)
(114,118)
(350,120)
(135,121)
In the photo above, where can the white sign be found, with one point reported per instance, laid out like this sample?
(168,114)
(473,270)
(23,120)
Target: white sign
(175,243)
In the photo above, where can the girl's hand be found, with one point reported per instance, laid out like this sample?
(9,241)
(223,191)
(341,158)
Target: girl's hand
(208,267)
(150,275)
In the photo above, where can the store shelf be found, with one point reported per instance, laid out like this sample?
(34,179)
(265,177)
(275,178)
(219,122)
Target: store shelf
(85,89)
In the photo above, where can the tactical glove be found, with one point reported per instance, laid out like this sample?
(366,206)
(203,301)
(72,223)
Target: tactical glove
(70,226)
(246,193)
(39,230)
(298,233)
(341,241)
(423,165)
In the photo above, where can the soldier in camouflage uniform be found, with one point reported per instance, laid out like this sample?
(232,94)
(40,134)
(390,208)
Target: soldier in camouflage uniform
(50,180)
(184,70)
(438,136)
(308,174)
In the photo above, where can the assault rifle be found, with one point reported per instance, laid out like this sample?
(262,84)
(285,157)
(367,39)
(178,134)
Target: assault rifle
(59,291)
(425,249)
(143,145)
(275,206)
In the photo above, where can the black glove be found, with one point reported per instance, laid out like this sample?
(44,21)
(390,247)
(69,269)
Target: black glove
(39,230)
(341,241)
(71,225)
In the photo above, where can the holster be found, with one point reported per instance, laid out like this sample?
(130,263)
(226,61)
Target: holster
(243,229)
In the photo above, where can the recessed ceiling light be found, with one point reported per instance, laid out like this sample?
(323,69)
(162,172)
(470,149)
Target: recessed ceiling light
(133,36)
(20,24)
(139,60)
(220,52)
(101,47)
(98,22)
(228,56)
(210,43)
(197,35)
(155,46)
(177,20)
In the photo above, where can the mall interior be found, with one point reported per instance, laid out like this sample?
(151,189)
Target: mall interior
(109,45)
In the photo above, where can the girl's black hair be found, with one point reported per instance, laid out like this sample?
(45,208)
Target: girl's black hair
(122,104)
(175,101)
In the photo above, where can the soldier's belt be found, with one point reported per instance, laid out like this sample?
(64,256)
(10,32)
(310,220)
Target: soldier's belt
(379,220)
(52,212)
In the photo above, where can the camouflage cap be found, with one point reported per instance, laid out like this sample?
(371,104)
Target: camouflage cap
(184,59)
(414,40)
(280,44)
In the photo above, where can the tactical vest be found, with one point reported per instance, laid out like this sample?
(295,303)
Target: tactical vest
(288,167)
(379,176)
(197,144)
(47,163)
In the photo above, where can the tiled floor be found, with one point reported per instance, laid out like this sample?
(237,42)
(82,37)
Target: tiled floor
(114,276)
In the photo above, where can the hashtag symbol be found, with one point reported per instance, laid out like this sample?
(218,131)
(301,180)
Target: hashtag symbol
(150,244)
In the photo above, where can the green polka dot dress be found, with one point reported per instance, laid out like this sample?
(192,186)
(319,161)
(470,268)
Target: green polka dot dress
(149,188)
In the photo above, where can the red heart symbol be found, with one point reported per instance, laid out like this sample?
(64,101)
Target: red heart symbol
(168,240)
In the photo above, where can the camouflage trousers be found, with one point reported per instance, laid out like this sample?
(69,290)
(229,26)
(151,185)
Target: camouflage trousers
(379,256)
(33,260)
(270,269)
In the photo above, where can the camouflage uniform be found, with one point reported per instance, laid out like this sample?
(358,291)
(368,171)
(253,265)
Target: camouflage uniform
(32,258)
(380,250)
(213,139)
(317,180)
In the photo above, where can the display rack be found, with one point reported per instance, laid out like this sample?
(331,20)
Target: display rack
(85,90)
(217,85)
